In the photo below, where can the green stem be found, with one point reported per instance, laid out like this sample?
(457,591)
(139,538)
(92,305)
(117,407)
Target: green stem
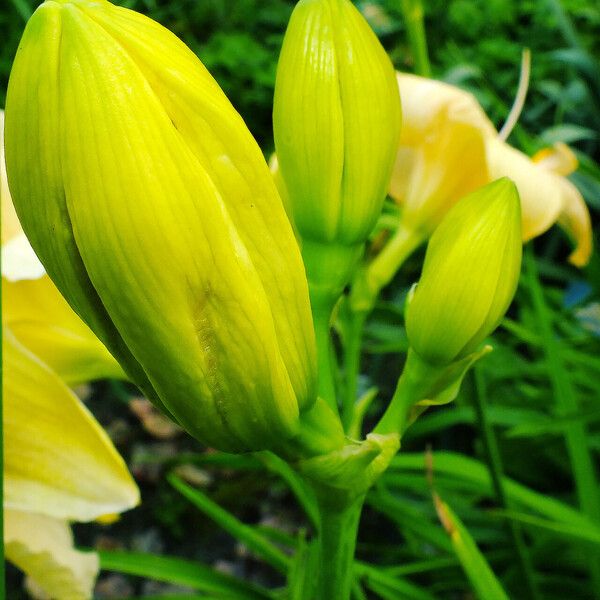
(336,543)
(412,10)
(582,465)
(496,472)
(406,394)
(352,347)
(326,362)
(366,286)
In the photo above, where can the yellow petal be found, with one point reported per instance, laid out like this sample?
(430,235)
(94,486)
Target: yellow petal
(441,156)
(41,320)
(428,105)
(434,177)
(574,218)
(57,459)
(559,159)
(539,189)
(10,222)
(42,547)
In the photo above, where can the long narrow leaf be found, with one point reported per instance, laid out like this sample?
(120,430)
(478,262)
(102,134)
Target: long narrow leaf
(181,572)
(240,531)
(481,576)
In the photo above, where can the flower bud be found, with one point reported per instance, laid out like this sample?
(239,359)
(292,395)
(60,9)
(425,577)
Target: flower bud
(469,277)
(336,121)
(152,208)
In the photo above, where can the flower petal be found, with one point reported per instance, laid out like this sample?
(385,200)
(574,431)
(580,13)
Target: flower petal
(58,461)
(42,547)
(575,219)
(10,222)
(427,104)
(539,189)
(19,261)
(559,159)
(41,320)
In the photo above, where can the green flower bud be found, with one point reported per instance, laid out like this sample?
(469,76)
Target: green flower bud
(469,277)
(153,210)
(336,122)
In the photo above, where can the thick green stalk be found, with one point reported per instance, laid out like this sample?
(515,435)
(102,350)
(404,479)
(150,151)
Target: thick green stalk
(412,11)
(336,543)
(496,472)
(582,465)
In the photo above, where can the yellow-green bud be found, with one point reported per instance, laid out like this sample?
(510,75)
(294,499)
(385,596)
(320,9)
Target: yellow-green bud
(336,122)
(470,275)
(152,208)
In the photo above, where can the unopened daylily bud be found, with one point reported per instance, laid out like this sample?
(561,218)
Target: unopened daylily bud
(336,122)
(152,208)
(469,277)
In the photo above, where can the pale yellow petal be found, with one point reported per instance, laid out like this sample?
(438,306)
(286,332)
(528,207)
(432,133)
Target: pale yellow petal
(57,459)
(42,547)
(42,321)
(10,222)
(539,189)
(19,261)
(428,104)
(575,219)
(559,159)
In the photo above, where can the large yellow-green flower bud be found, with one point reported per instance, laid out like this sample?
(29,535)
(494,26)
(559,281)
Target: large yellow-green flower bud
(470,275)
(336,121)
(152,208)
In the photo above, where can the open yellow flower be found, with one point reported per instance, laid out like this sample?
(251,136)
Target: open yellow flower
(449,147)
(59,464)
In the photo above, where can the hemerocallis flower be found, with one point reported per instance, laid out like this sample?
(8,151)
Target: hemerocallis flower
(336,122)
(449,147)
(470,275)
(153,210)
(59,465)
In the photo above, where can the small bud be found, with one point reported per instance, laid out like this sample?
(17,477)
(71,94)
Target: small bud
(336,122)
(469,277)
(152,208)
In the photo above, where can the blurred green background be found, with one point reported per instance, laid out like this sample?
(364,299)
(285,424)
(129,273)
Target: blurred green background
(540,388)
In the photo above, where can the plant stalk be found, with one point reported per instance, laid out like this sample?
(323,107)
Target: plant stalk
(412,11)
(336,543)
(325,359)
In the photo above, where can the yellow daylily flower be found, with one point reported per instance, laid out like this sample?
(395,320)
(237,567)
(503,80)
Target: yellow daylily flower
(59,466)
(336,121)
(35,311)
(161,224)
(449,147)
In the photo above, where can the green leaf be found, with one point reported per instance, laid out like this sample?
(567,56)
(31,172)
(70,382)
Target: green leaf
(181,572)
(240,531)
(481,576)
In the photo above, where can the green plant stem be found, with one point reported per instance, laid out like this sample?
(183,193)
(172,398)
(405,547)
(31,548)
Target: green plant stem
(496,473)
(365,290)
(412,11)
(325,360)
(352,347)
(336,543)
(582,465)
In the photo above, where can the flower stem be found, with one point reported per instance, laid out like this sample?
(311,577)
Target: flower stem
(412,10)
(326,362)
(365,289)
(338,529)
